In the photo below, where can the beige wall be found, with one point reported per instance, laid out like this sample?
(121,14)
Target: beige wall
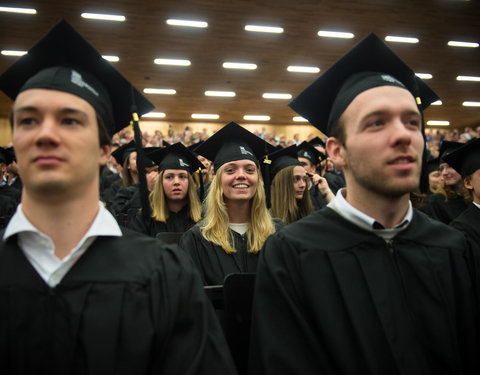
(5,132)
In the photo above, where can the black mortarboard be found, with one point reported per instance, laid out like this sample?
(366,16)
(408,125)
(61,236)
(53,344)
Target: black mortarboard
(317,141)
(465,159)
(11,157)
(433,165)
(121,154)
(63,60)
(307,151)
(232,142)
(283,158)
(369,64)
(194,147)
(446,148)
(176,156)
(3,155)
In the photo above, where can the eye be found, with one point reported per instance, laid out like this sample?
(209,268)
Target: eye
(26,121)
(70,121)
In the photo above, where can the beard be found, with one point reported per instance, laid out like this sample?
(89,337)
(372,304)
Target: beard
(378,182)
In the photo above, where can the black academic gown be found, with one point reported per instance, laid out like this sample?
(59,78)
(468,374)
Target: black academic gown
(443,210)
(176,222)
(317,201)
(332,298)
(11,192)
(128,306)
(7,209)
(335,181)
(213,262)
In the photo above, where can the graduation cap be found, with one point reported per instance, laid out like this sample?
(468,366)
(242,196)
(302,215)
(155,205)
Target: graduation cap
(64,61)
(11,157)
(122,153)
(3,155)
(176,156)
(307,151)
(446,148)
(232,142)
(317,141)
(194,147)
(369,64)
(433,165)
(465,159)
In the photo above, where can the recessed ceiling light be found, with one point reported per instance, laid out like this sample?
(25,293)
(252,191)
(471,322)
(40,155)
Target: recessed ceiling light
(264,29)
(471,104)
(454,43)
(6,52)
(104,17)
(299,119)
(228,94)
(438,102)
(335,34)
(154,115)
(205,116)
(111,58)
(234,65)
(401,39)
(256,118)
(468,78)
(18,10)
(159,91)
(424,75)
(438,123)
(303,69)
(175,62)
(272,95)
(187,23)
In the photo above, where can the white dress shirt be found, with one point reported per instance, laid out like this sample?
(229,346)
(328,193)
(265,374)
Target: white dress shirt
(340,205)
(39,248)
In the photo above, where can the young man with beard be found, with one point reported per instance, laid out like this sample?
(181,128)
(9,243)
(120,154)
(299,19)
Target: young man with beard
(78,294)
(367,285)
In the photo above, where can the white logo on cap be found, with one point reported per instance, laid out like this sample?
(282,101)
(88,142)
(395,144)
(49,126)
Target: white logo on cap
(183,164)
(245,152)
(78,80)
(389,78)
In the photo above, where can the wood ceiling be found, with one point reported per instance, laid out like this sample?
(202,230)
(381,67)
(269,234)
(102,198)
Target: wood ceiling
(145,36)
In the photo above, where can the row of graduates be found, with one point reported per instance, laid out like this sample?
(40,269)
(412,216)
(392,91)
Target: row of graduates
(235,219)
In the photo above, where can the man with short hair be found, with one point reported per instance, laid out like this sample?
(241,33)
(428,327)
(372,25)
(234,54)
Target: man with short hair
(367,285)
(78,294)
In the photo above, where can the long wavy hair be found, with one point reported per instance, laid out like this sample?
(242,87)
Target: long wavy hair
(158,201)
(214,226)
(284,205)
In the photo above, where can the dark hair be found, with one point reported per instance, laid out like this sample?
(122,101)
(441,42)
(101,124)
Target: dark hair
(103,136)
(338,131)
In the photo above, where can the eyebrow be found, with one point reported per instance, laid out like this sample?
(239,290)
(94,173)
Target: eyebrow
(64,111)
(408,112)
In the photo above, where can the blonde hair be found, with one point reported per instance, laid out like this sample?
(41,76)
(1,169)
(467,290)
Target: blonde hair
(284,205)
(214,227)
(159,205)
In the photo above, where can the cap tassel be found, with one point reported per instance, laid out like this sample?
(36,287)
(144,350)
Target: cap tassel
(142,178)
(266,180)
(200,175)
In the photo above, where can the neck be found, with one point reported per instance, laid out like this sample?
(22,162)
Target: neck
(238,211)
(176,206)
(65,219)
(388,211)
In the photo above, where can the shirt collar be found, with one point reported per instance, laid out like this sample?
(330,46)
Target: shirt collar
(104,224)
(340,205)
(476,204)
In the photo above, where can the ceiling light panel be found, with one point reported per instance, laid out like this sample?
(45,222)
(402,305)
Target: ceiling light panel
(174,62)
(299,119)
(256,118)
(159,91)
(454,43)
(236,65)
(468,78)
(303,69)
(111,58)
(272,95)
(264,29)
(205,116)
(438,123)
(471,104)
(225,94)
(401,39)
(424,75)
(104,17)
(335,34)
(18,10)
(187,23)
(438,102)
(154,115)
(7,52)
